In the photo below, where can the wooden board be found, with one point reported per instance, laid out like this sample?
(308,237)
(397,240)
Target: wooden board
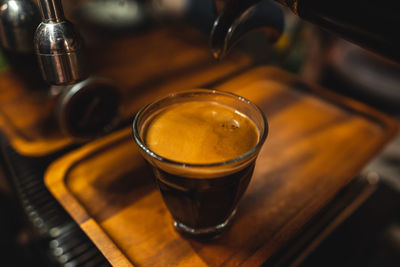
(150,63)
(317,143)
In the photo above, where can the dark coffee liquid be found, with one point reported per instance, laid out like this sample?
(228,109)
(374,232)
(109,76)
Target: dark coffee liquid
(201,203)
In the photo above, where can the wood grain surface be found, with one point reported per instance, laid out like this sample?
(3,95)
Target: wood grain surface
(149,63)
(317,143)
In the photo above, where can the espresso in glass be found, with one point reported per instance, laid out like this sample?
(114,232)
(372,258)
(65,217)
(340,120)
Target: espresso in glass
(202,145)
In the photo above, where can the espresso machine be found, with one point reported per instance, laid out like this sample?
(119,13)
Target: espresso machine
(48,52)
(58,45)
(49,57)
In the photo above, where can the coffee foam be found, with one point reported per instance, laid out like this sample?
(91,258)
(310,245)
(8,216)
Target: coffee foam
(200,132)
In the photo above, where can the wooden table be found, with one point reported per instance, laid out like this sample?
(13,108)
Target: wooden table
(318,142)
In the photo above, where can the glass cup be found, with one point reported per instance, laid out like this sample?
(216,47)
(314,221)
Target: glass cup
(201,198)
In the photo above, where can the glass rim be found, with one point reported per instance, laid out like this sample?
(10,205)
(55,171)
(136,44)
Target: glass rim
(162,159)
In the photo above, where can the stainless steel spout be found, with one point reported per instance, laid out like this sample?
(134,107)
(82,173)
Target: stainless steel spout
(58,46)
(51,10)
(239,17)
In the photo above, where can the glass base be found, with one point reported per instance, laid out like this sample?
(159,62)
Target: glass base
(204,233)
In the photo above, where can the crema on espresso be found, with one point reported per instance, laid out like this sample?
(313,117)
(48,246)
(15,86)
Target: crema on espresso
(200,132)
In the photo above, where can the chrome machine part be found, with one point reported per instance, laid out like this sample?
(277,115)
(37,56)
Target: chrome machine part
(58,46)
(18,21)
(89,108)
(237,18)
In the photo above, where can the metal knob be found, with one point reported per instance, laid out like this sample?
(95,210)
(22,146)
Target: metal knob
(89,108)
(58,46)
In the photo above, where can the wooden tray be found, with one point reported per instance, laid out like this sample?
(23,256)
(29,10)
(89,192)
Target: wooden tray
(318,142)
(153,62)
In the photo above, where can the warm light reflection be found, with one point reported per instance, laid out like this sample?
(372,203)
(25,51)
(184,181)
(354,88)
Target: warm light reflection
(4,7)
